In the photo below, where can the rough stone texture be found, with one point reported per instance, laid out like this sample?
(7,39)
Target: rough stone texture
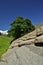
(2,63)
(27,53)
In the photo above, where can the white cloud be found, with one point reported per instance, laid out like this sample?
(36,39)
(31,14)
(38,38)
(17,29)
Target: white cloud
(4,32)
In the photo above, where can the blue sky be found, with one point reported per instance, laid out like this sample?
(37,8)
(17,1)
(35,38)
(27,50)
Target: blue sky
(9,9)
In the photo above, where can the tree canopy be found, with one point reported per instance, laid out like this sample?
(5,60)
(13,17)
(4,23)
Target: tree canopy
(20,27)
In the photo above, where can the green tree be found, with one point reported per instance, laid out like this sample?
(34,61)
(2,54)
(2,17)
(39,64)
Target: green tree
(20,26)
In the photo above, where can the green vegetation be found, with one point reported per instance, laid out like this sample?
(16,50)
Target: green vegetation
(4,44)
(20,27)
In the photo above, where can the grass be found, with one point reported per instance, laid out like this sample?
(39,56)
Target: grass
(4,44)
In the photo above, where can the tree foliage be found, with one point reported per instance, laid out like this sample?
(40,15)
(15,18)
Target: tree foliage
(20,26)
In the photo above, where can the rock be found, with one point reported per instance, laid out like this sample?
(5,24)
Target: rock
(39,39)
(24,51)
(25,55)
(39,31)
